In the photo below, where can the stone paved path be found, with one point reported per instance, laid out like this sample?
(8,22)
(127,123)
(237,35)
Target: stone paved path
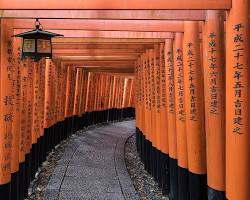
(93,166)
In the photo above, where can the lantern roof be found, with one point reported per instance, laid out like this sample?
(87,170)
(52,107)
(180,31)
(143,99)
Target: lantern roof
(38,32)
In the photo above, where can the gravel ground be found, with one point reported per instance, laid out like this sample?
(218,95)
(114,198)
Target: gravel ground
(39,184)
(144,184)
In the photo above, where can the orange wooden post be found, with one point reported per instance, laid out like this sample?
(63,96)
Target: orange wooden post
(194,111)
(6,63)
(181,135)
(147,139)
(88,97)
(124,98)
(173,169)
(237,102)
(68,103)
(164,123)
(35,125)
(118,96)
(86,74)
(108,91)
(213,42)
(80,112)
(23,154)
(15,143)
(28,139)
(63,100)
(117,90)
(138,104)
(110,98)
(157,88)
(41,110)
(77,98)
(150,62)
(50,105)
(132,99)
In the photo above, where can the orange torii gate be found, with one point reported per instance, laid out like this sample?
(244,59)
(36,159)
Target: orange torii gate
(217,145)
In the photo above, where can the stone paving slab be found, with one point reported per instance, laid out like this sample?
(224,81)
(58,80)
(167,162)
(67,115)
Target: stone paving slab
(93,166)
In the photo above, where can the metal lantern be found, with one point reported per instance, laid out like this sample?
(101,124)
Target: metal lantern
(37,43)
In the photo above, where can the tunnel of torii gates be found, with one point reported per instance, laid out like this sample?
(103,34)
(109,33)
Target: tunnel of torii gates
(183,66)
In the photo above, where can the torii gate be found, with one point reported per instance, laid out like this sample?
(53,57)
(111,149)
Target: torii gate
(230,176)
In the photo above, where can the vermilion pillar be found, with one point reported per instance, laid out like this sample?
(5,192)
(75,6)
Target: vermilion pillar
(15,143)
(164,122)
(181,135)
(214,76)
(158,109)
(42,63)
(237,102)
(147,109)
(7,67)
(23,155)
(151,64)
(194,111)
(28,138)
(35,129)
(171,119)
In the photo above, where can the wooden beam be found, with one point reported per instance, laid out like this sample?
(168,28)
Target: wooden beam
(103,25)
(106,41)
(190,15)
(112,70)
(196,15)
(101,46)
(117,4)
(99,63)
(95,54)
(98,58)
(97,51)
(108,34)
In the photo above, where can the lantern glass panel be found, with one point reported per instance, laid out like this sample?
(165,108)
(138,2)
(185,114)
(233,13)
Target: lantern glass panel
(43,46)
(29,45)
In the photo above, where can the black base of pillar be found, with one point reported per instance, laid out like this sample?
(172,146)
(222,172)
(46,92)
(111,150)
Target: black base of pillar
(33,160)
(213,194)
(148,156)
(42,156)
(154,164)
(158,171)
(197,186)
(165,174)
(173,174)
(15,186)
(5,190)
(27,174)
(183,188)
(21,180)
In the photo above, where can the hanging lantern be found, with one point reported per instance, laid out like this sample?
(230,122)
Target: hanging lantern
(37,43)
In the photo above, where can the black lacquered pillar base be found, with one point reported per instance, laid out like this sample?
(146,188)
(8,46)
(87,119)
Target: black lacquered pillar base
(21,180)
(165,174)
(183,183)
(33,160)
(15,186)
(158,171)
(173,170)
(197,186)
(27,174)
(5,190)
